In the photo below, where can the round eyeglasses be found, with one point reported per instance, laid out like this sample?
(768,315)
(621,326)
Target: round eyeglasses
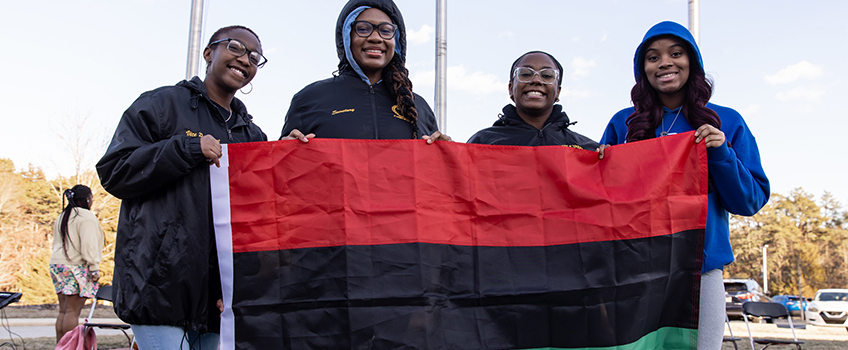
(364,29)
(237,48)
(546,76)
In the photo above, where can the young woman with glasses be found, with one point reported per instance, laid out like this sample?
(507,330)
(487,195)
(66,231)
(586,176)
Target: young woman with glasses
(672,96)
(535,82)
(371,95)
(166,282)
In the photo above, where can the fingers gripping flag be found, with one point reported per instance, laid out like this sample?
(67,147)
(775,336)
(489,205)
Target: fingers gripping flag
(388,244)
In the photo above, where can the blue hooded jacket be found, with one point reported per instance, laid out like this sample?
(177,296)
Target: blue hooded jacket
(740,185)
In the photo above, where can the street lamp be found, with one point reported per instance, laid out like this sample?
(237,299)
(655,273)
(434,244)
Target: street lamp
(765,271)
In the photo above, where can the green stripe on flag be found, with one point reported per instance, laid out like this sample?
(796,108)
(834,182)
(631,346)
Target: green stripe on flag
(664,338)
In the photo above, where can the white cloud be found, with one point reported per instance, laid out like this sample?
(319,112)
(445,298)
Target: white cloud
(506,34)
(801,70)
(458,77)
(421,36)
(581,67)
(750,110)
(604,37)
(811,94)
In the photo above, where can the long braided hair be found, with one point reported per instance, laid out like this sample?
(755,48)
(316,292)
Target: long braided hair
(401,87)
(648,114)
(77,197)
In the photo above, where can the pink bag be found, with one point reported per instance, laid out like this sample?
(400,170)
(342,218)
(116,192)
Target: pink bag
(78,339)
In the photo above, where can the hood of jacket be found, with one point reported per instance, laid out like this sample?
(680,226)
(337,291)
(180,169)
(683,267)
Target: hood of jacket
(510,117)
(198,90)
(660,29)
(388,7)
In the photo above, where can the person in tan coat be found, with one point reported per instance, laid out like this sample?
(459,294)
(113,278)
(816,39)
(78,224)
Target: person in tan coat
(77,251)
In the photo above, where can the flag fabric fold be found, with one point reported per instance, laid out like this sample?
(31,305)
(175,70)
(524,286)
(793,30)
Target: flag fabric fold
(390,244)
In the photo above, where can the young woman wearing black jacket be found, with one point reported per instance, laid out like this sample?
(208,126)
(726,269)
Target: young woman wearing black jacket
(166,280)
(371,96)
(535,120)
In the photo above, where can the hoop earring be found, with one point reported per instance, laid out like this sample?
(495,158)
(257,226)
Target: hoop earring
(248,91)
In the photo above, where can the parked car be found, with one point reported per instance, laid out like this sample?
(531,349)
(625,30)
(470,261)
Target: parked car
(738,291)
(829,308)
(795,304)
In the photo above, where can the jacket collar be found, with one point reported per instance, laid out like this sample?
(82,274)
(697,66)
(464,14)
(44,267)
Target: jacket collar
(198,89)
(510,117)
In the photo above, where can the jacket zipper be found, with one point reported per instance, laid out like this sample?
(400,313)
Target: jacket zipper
(542,130)
(374,112)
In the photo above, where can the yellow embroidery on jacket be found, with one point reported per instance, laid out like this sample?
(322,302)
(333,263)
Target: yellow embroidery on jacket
(343,111)
(190,133)
(396,110)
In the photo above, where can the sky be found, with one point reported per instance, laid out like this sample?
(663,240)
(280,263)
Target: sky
(782,64)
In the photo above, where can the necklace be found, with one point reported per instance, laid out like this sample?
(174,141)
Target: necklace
(665,132)
(231,115)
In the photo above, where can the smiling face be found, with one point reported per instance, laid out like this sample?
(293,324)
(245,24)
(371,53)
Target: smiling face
(667,68)
(226,71)
(534,98)
(373,53)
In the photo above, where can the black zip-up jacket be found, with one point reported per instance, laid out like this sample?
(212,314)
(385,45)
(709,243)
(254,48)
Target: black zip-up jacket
(346,107)
(510,129)
(166,266)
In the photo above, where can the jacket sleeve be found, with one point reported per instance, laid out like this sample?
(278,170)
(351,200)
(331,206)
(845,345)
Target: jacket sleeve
(616,131)
(426,118)
(142,157)
(737,171)
(91,241)
(293,118)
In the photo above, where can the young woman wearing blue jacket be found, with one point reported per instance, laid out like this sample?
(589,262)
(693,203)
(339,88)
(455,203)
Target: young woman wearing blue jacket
(671,96)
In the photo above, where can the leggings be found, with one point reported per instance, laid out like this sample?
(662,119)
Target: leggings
(712,311)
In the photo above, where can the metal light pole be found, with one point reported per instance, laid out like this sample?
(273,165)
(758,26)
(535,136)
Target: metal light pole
(194,33)
(694,20)
(765,270)
(441,64)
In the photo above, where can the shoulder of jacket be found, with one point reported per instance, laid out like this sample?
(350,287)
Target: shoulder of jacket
(723,111)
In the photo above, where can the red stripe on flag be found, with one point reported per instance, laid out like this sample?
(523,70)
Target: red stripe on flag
(330,192)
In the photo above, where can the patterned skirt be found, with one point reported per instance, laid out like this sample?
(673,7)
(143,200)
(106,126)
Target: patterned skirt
(73,280)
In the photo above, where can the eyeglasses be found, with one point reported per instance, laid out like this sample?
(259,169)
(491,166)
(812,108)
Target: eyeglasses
(237,48)
(547,75)
(364,29)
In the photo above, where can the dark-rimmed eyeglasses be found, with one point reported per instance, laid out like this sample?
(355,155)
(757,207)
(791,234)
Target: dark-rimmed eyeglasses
(546,76)
(364,29)
(237,48)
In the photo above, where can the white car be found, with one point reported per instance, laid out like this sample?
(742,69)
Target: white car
(829,308)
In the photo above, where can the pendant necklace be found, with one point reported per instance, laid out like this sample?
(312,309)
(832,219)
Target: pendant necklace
(665,133)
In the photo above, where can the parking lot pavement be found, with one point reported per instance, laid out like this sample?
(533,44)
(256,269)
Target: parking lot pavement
(770,330)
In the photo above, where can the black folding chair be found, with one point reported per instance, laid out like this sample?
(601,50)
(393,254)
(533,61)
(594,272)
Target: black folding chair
(105,293)
(773,311)
(731,338)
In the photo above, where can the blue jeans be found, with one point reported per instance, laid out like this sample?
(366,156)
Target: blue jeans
(169,337)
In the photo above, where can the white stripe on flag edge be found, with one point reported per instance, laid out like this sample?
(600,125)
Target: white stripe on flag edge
(219,183)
